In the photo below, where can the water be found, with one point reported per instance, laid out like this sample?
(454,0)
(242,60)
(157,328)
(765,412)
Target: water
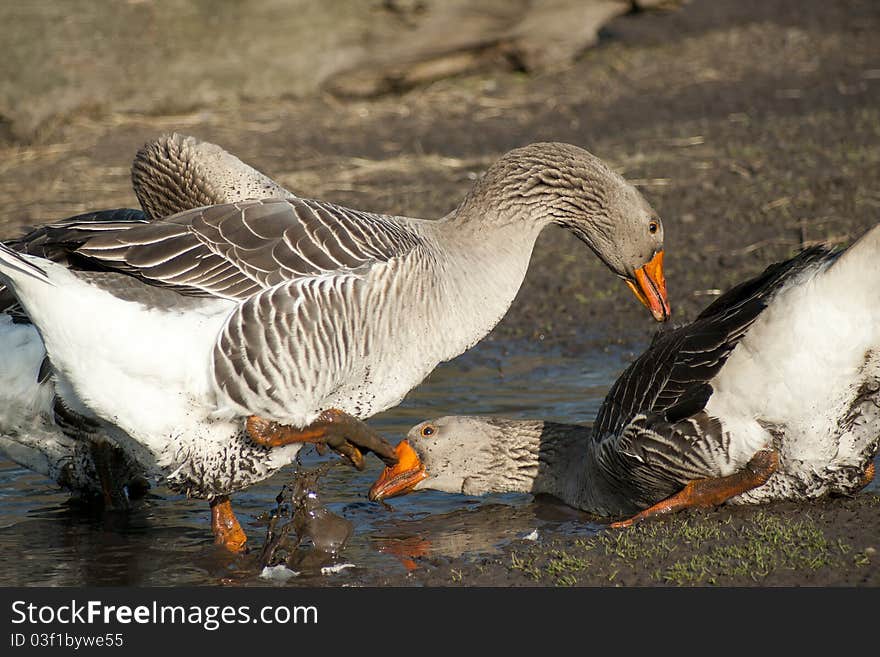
(47,540)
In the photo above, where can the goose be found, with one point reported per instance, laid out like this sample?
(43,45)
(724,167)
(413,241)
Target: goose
(232,334)
(169,174)
(772,393)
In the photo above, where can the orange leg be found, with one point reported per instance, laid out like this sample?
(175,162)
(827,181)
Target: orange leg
(704,493)
(227,531)
(342,432)
(869,475)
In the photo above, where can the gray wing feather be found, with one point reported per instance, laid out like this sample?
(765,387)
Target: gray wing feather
(651,459)
(652,434)
(52,241)
(238,249)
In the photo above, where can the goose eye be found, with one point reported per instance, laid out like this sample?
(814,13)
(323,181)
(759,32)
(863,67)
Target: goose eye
(653,227)
(428,431)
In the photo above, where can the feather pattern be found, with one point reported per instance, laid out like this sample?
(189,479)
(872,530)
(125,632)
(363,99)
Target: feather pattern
(235,250)
(652,434)
(48,242)
(176,173)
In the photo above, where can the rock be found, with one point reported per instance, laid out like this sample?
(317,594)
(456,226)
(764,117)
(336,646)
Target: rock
(279,573)
(461,37)
(178,56)
(552,34)
(336,568)
(656,4)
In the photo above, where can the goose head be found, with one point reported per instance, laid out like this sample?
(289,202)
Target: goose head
(463,454)
(563,184)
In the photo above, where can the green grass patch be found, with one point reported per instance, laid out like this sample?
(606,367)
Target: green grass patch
(690,550)
(764,543)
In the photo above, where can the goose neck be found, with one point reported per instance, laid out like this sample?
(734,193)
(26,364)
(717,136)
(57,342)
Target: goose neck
(539,458)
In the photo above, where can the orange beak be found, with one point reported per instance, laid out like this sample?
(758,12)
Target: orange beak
(650,288)
(401,478)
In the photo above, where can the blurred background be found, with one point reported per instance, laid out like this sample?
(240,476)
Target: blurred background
(751,125)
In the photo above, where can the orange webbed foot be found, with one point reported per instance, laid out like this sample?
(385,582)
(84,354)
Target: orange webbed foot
(342,432)
(706,493)
(227,531)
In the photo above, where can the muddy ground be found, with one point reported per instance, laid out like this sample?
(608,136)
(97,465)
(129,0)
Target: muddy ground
(752,126)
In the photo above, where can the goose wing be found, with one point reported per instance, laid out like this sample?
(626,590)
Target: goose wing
(652,434)
(49,242)
(671,381)
(235,250)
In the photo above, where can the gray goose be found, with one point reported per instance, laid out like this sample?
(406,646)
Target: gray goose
(37,431)
(772,393)
(236,332)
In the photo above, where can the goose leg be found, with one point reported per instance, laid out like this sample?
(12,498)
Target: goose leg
(110,475)
(227,531)
(704,493)
(868,476)
(343,433)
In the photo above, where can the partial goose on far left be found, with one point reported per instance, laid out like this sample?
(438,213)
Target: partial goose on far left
(37,430)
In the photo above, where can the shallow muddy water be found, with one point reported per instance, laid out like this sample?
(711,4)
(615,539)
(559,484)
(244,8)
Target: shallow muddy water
(166,540)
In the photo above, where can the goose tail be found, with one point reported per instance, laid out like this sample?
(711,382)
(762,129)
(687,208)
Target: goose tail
(14,266)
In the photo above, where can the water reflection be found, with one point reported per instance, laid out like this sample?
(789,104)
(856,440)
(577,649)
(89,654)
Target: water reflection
(483,529)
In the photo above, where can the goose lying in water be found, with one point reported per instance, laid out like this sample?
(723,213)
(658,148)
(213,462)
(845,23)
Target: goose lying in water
(772,393)
(170,174)
(234,333)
